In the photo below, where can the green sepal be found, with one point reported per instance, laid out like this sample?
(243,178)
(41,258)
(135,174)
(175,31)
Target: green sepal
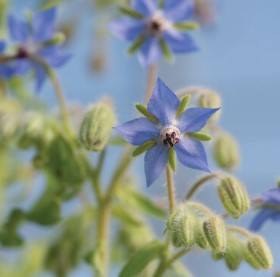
(130,12)
(142,258)
(143,110)
(186,26)
(136,45)
(183,105)
(142,148)
(200,136)
(172,159)
(165,50)
(117,140)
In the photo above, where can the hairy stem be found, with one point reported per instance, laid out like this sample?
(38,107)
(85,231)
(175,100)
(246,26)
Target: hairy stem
(170,187)
(240,230)
(152,74)
(199,183)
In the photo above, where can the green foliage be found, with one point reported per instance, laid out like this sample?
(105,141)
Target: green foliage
(142,258)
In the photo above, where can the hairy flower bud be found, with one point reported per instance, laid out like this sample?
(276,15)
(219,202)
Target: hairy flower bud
(96,126)
(234,252)
(215,232)
(181,226)
(201,239)
(258,253)
(210,99)
(233,196)
(226,151)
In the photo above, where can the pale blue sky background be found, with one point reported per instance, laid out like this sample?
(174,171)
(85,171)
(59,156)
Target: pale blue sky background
(240,58)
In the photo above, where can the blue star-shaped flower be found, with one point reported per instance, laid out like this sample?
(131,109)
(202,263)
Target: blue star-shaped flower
(169,131)
(156,30)
(270,209)
(34,44)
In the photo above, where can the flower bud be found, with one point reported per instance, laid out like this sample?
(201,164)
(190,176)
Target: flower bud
(58,38)
(233,196)
(210,99)
(226,151)
(201,239)
(181,226)
(215,233)
(96,127)
(234,253)
(258,253)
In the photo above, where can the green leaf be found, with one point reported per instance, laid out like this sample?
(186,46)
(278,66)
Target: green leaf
(180,270)
(142,258)
(200,136)
(136,200)
(130,12)
(143,110)
(126,216)
(183,105)
(172,159)
(142,148)
(136,45)
(186,26)
(165,50)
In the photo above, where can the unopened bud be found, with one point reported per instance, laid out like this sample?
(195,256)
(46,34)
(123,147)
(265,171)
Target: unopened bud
(211,99)
(215,232)
(181,226)
(233,196)
(96,127)
(226,151)
(234,252)
(201,239)
(258,253)
(58,38)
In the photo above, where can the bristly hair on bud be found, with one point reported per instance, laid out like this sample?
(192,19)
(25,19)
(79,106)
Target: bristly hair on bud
(233,195)
(215,232)
(96,126)
(181,227)
(226,151)
(258,253)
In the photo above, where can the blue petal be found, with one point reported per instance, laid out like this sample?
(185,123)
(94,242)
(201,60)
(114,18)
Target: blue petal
(272,196)
(6,71)
(44,24)
(262,216)
(40,76)
(194,119)
(179,42)
(144,7)
(149,52)
(191,153)
(138,131)
(178,10)
(155,161)
(127,29)
(163,103)
(54,56)
(2,45)
(19,30)
(22,66)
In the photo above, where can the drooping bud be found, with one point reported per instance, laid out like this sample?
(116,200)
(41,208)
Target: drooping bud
(234,252)
(215,232)
(226,151)
(201,239)
(58,38)
(233,196)
(258,253)
(210,99)
(182,226)
(96,126)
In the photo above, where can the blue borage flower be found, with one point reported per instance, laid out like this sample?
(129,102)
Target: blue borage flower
(168,132)
(155,30)
(269,209)
(34,43)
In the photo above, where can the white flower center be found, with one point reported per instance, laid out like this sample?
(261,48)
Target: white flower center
(157,23)
(170,135)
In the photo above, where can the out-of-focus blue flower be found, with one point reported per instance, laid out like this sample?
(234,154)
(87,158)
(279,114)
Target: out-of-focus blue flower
(6,69)
(168,132)
(156,30)
(34,44)
(269,209)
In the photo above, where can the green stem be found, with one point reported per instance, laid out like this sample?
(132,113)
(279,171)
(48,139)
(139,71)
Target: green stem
(123,164)
(152,75)
(240,231)
(170,187)
(199,183)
